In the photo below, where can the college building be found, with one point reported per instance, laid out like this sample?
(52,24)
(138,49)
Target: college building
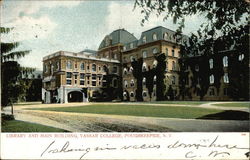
(146,69)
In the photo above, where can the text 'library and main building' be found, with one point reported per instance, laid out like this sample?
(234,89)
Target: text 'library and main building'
(150,68)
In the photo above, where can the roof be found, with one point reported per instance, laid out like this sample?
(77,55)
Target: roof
(118,36)
(88,52)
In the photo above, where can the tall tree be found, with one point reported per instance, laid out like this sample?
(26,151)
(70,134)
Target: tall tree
(11,81)
(222,18)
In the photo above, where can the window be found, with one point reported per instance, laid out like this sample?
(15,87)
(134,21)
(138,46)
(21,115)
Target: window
(225,77)
(82,66)
(225,61)
(211,63)
(45,68)
(166,51)
(132,59)
(155,51)
(125,84)
(132,83)
(211,79)
(144,54)
(155,64)
(75,65)
(125,71)
(173,66)
(69,65)
(115,56)
(132,94)
(154,36)
(82,79)
(93,67)
(241,57)
(94,77)
(144,93)
(165,36)
(197,68)
(105,68)
(88,67)
(58,65)
(131,69)
(211,92)
(155,79)
(144,39)
(173,54)
(68,78)
(173,80)
(131,45)
(144,81)
(115,69)
(75,79)
(124,94)
(93,83)
(144,67)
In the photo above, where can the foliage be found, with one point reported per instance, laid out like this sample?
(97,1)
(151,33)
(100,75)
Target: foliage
(11,81)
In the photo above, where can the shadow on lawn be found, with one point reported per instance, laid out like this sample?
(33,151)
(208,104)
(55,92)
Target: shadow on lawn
(227,115)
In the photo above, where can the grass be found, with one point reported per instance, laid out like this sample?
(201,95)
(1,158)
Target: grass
(138,110)
(181,102)
(20,126)
(233,105)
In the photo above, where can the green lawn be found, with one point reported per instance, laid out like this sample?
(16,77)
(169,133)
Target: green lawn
(20,126)
(233,105)
(138,110)
(180,102)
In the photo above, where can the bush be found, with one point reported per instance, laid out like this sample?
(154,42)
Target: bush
(6,117)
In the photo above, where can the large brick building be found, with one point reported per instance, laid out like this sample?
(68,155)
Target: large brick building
(126,68)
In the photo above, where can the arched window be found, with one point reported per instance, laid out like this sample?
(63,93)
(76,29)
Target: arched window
(241,57)
(144,81)
(211,63)
(144,39)
(211,79)
(155,50)
(144,54)
(173,66)
(144,67)
(226,78)
(132,94)
(69,65)
(165,36)
(125,71)
(144,94)
(155,64)
(131,69)
(154,36)
(93,67)
(132,83)
(82,66)
(125,84)
(225,61)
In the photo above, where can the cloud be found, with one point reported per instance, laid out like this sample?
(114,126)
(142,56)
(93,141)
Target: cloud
(26,28)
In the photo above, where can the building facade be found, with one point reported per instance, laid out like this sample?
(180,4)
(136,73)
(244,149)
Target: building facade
(146,69)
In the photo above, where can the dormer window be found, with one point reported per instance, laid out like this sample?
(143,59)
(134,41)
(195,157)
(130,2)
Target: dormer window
(154,36)
(155,51)
(165,36)
(131,45)
(144,39)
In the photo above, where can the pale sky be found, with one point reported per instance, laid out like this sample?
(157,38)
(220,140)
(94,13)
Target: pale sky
(45,27)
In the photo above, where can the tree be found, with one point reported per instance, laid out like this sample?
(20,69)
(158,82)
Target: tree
(223,18)
(11,71)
